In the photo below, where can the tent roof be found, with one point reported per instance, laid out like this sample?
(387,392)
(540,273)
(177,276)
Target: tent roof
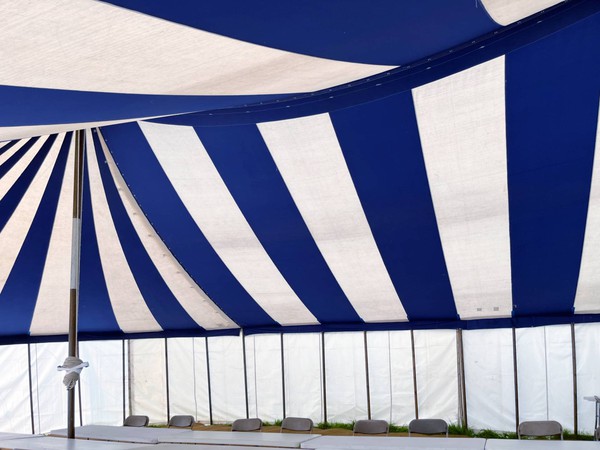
(334,166)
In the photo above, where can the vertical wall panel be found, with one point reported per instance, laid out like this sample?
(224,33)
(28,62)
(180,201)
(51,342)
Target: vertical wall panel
(15,415)
(380,375)
(50,396)
(532,373)
(489,379)
(181,376)
(227,378)
(303,390)
(403,400)
(560,375)
(437,379)
(346,377)
(263,356)
(102,382)
(587,339)
(147,380)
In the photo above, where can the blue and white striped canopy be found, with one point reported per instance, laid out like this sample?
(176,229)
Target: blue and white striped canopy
(299,166)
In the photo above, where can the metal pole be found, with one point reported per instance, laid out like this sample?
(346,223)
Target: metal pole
(574,361)
(167,378)
(324,377)
(367,376)
(414,366)
(282,373)
(123,376)
(462,385)
(30,388)
(75,259)
(245,373)
(516,378)
(210,414)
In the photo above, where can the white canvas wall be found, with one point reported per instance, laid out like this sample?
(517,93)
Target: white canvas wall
(489,379)
(15,413)
(303,376)
(587,338)
(148,384)
(265,387)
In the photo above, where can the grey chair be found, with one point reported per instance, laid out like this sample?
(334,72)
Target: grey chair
(540,428)
(428,426)
(181,422)
(136,421)
(297,424)
(370,427)
(246,425)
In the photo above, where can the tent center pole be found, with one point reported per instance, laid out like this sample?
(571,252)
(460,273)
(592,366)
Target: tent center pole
(75,259)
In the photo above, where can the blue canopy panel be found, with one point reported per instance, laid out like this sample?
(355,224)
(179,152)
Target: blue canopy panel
(457,192)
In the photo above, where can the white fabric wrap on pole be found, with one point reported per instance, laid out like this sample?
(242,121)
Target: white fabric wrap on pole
(73,366)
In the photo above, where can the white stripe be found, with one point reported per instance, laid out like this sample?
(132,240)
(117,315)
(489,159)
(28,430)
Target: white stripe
(128,304)
(505,12)
(11,151)
(15,231)
(51,313)
(461,121)
(7,181)
(587,299)
(92,46)
(309,157)
(195,302)
(209,202)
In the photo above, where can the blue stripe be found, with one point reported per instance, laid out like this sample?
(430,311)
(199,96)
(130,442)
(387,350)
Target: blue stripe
(10,162)
(11,199)
(36,106)
(177,229)
(18,298)
(403,78)
(381,144)
(160,300)
(391,32)
(552,111)
(244,163)
(95,310)
(8,147)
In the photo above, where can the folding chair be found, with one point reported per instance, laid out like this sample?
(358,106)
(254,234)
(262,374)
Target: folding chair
(428,426)
(540,428)
(370,427)
(246,425)
(181,422)
(297,424)
(136,421)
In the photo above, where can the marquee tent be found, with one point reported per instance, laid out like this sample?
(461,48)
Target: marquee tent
(283,167)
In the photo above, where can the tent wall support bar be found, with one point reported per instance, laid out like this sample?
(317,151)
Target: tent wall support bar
(414,368)
(30,388)
(574,361)
(129,365)
(282,373)
(516,379)
(210,414)
(75,260)
(324,375)
(167,378)
(123,373)
(367,375)
(462,385)
(245,373)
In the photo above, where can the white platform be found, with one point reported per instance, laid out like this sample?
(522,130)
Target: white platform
(524,444)
(253,439)
(58,443)
(7,436)
(205,447)
(404,443)
(140,435)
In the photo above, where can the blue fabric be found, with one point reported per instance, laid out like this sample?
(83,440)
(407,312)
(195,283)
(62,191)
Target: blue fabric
(7,147)
(389,32)
(398,80)
(36,106)
(174,225)
(245,165)
(381,144)
(95,310)
(163,305)
(10,162)
(18,298)
(551,119)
